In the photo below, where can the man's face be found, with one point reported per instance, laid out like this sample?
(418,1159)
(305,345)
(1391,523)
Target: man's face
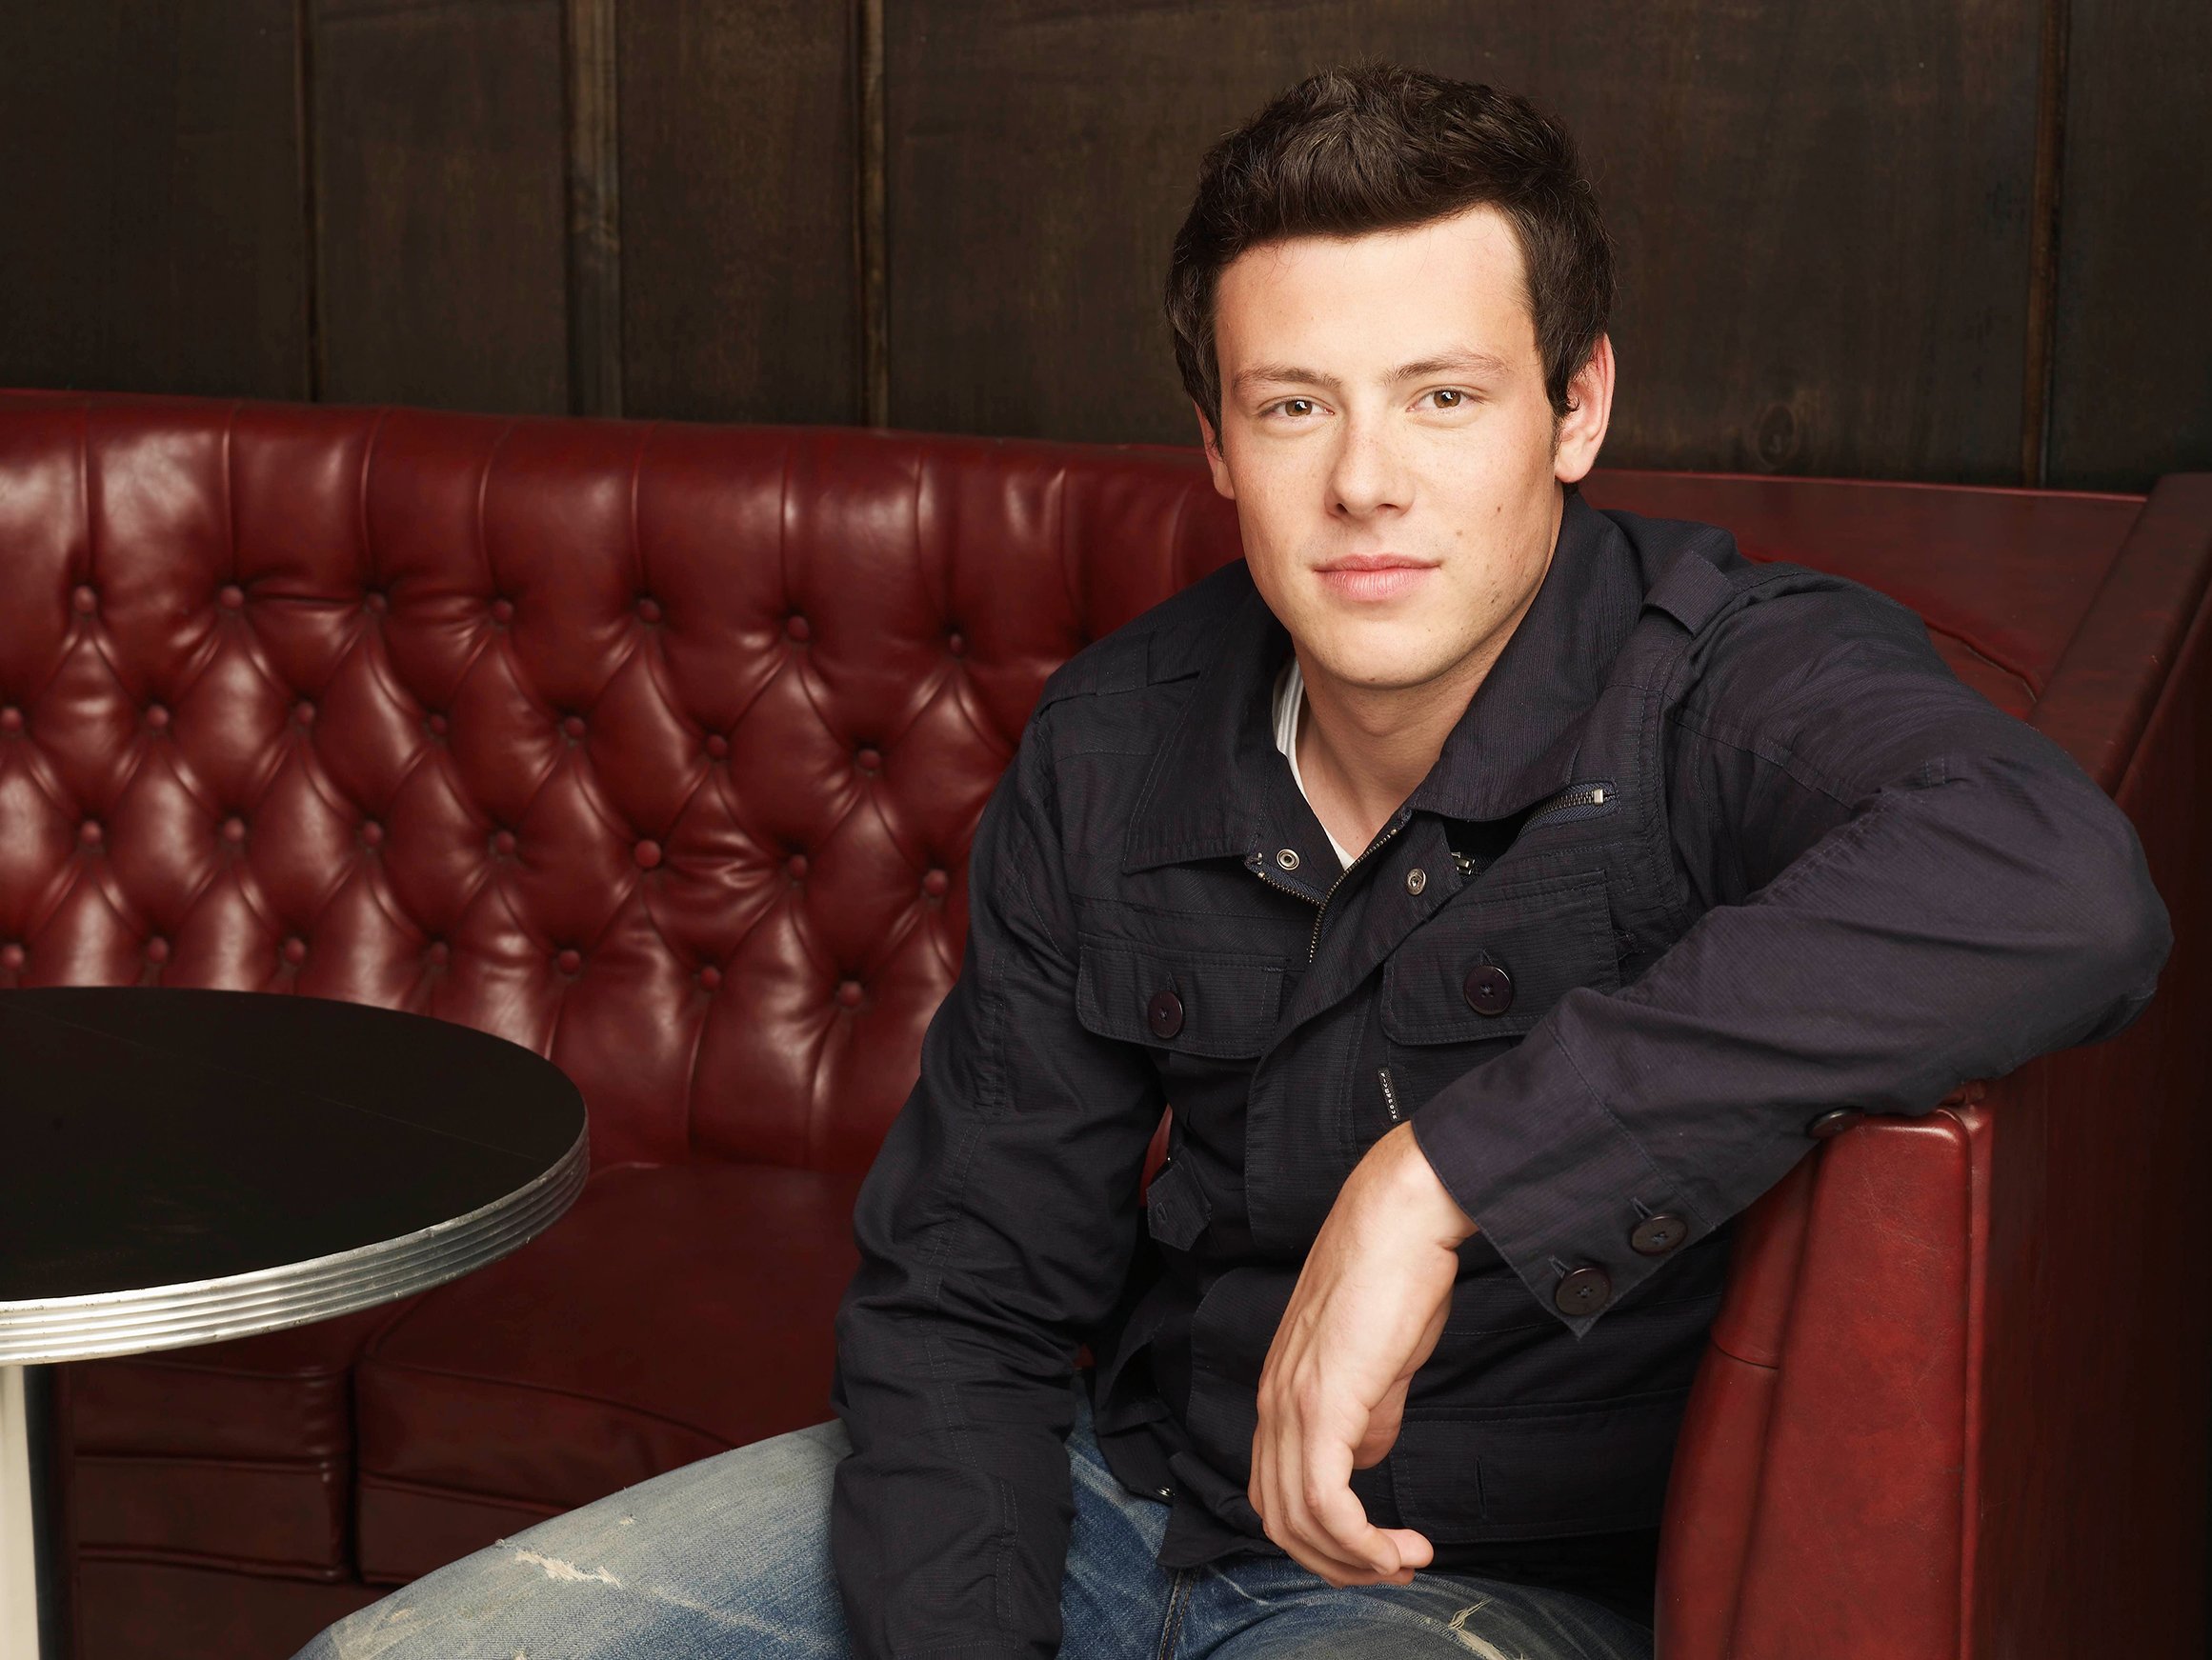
(1387,440)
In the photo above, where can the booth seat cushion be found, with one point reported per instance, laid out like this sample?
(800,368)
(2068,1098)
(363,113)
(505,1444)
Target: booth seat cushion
(236,1453)
(675,1311)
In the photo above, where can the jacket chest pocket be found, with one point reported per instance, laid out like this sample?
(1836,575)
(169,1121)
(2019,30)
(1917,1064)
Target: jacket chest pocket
(1485,969)
(1181,1003)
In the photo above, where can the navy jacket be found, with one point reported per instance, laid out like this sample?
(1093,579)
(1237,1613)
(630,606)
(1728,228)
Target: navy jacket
(1716,850)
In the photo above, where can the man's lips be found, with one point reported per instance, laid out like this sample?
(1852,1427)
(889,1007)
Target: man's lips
(1372,576)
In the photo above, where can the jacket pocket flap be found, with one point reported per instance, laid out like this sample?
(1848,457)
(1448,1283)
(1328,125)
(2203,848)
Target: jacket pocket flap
(1175,1208)
(1216,1006)
(1533,943)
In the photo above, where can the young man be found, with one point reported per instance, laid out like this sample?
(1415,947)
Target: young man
(1503,893)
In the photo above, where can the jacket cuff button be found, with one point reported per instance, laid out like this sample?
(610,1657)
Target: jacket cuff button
(1656,1235)
(1582,1292)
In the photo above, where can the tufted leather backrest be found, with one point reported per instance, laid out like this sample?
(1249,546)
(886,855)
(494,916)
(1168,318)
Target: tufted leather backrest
(656,749)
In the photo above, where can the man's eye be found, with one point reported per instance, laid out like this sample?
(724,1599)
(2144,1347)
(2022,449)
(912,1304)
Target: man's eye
(1299,407)
(1448,398)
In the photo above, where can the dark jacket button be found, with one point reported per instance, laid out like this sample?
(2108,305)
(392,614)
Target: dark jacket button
(1656,1235)
(1833,1123)
(1165,1013)
(1582,1292)
(1489,990)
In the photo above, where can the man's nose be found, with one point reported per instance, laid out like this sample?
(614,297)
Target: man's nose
(1370,476)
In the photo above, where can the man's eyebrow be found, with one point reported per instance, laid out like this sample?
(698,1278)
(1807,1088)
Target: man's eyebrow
(1444,363)
(1285,374)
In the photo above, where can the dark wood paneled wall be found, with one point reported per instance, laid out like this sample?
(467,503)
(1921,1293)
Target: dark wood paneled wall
(1964,241)
(152,231)
(2132,371)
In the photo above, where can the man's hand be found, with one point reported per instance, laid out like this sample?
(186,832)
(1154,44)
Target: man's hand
(1368,1307)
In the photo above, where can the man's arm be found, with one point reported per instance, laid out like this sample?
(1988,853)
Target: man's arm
(1910,889)
(994,1230)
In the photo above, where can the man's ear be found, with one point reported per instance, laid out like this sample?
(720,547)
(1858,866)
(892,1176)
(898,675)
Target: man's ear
(1582,427)
(1214,457)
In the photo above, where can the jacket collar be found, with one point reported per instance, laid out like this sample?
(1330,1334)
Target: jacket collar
(1218,783)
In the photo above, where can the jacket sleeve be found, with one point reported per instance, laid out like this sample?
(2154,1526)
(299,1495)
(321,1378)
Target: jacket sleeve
(994,1230)
(1909,887)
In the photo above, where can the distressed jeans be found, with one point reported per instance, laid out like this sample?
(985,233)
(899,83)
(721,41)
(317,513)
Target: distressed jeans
(729,1557)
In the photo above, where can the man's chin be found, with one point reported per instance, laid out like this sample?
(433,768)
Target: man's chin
(1385,665)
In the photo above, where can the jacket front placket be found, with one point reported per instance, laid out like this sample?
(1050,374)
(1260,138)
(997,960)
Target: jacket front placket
(1301,1137)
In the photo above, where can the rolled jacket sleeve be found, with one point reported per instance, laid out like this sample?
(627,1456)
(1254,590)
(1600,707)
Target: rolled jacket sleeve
(1908,887)
(994,1230)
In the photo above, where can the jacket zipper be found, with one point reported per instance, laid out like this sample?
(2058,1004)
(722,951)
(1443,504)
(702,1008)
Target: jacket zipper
(1321,907)
(1579,795)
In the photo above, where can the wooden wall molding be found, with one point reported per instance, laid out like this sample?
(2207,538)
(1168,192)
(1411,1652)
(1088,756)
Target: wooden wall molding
(870,216)
(595,223)
(2042,294)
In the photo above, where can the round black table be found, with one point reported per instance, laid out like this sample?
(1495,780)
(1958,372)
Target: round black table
(181,1166)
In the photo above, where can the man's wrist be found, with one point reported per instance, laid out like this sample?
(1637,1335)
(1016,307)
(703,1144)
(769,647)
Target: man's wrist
(1415,1184)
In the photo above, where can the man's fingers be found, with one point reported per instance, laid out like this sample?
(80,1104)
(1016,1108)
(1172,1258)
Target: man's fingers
(1327,1518)
(1278,1491)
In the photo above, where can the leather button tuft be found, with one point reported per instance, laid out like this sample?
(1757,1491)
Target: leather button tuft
(649,610)
(158,716)
(573,725)
(869,759)
(437,725)
(1164,1015)
(1656,1235)
(711,977)
(797,628)
(304,713)
(717,745)
(1489,988)
(1583,1291)
(12,719)
(376,601)
(956,642)
(936,884)
(372,833)
(439,951)
(795,867)
(296,950)
(91,833)
(157,949)
(231,597)
(1833,1123)
(1415,879)
(10,956)
(646,855)
(85,601)
(503,611)
(234,830)
(849,994)
(570,960)
(503,842)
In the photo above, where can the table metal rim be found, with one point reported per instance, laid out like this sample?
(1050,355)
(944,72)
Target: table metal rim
(194,1311)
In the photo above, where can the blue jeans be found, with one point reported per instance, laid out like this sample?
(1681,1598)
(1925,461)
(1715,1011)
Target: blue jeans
(729,1557)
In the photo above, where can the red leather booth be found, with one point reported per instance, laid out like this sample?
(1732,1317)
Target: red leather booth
(656,747)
